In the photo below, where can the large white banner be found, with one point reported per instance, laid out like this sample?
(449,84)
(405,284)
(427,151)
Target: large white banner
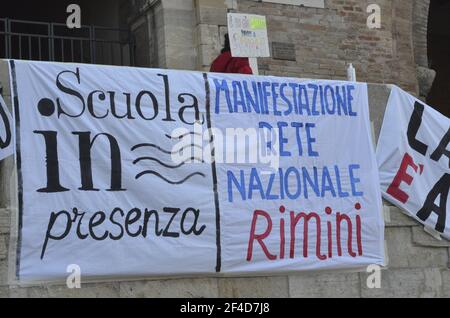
(129,172)
(413,157)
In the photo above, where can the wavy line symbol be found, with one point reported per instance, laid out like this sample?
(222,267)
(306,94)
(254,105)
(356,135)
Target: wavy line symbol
(180,137)
(192,133)
(167,165)
(166,151)
(143,173)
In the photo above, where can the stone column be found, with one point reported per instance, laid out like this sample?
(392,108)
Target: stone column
(179,23)
(163,33)
(425,75)
(8,191)
(7,165)
(211,26)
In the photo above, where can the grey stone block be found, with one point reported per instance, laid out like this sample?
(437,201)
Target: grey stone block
(179,36)
(179,18)
(29,292)
(209,35)
(13,292)
(5,221)
(403,254)
(4,78)
(23,292)
(231,4)
(3,247)
(7,183)
(177,4)
(310,285)
(426,77)
(446,283)
(176,288)
(211,12)
(206,54)
(378,98)
(98,290)
(4,273)
(422,238)
(397,218)
(4,292)
(406,283)
(256,287)
(180,57)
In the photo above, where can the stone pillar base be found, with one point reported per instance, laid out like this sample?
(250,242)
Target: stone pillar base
(425,77)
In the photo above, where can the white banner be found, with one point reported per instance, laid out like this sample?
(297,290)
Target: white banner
(413,159)
(129,172)
(6,131)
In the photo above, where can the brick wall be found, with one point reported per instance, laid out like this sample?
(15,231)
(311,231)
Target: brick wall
(325,39)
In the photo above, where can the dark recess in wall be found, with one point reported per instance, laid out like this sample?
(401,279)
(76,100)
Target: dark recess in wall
(439,54)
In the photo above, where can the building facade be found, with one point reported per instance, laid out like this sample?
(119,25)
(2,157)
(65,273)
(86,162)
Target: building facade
(317,39)
(308,39)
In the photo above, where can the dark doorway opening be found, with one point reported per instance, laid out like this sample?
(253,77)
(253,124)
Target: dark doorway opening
(439,54)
